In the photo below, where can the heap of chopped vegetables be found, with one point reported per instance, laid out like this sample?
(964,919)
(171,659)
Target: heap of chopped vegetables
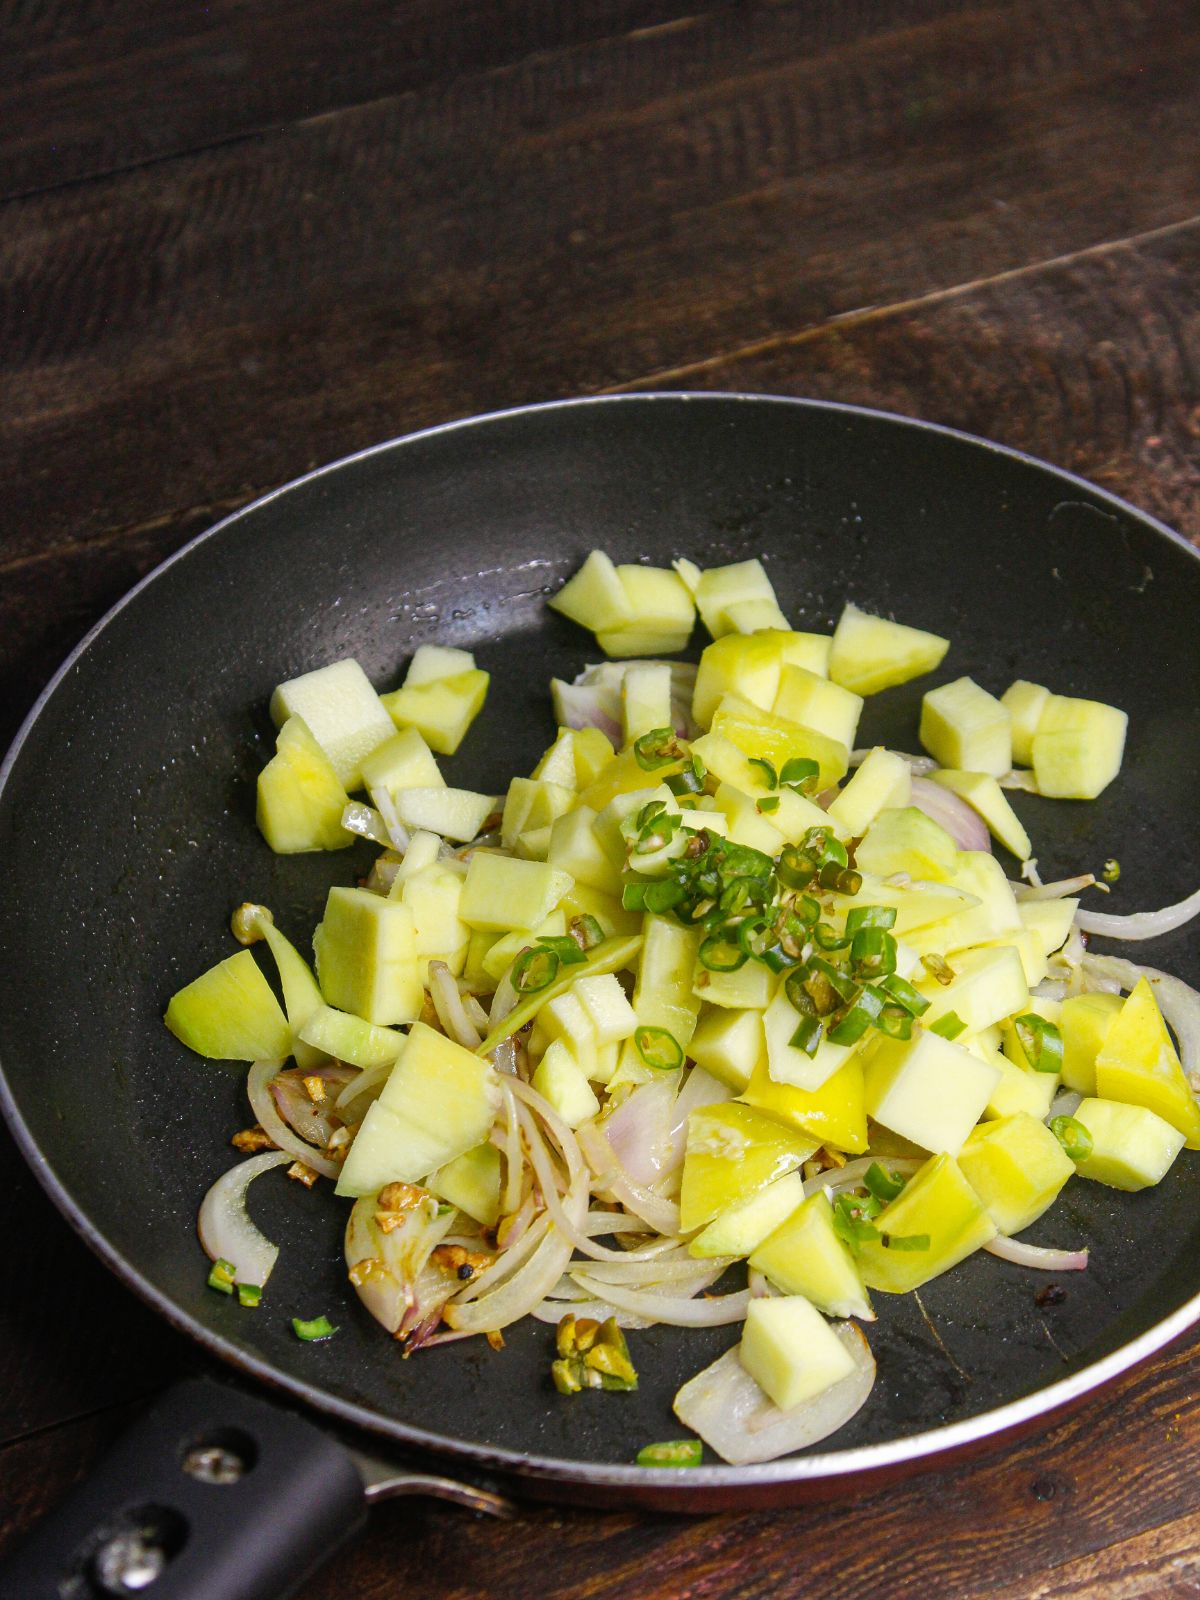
(710,985)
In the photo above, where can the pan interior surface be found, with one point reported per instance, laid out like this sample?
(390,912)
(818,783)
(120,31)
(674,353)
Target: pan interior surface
(127,831)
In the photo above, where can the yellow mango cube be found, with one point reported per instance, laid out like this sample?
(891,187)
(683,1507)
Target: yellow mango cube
(1137,1064)
(939,1202)
(1017,1167)
(1132,1147)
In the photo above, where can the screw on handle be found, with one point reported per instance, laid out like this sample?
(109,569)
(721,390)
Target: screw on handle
(213,1495)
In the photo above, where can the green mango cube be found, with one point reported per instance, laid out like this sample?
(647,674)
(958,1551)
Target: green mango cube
(906,840)
(745,665)
(1137,1064)
(646,698)
(472,1183)
(1078,747)
(1132,1147)
(728,1043)
(440,711)
(1085,1020)
(928,1089)
(595,597)
(787,1063)
(985,796)
(562,1081)
(457,814)
(1049,920)
(719,588)
(870,653)
(742,1227)
(805,1256)
(988,985)
(939,1202)
(1024,703)
(575,848)
(366,951)
(778,740)
(790,1351)
(351,1039)
(816,702)
(532,803)
(1017,1167)
(300,798)
(230,1014)
(659,599)
(404,761)
(433,661)
(882,783)
(342,712)
(501,894)
(965,727)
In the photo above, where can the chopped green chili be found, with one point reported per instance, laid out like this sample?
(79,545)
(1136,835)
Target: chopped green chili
(860,917)
(768,803)
(671,1453)
(905,1241)
(1073,1136)
(314,1330)
(564,947)
(799,773)
(857,1017)
(885,1186)
(658,1048)
(1111,870)
(587,931)
(808,1035)
(1041,1042)
(534,969)
(949,1026)
(770,776)
(222,1276)
(658,748)
(249,1294)
(902,992)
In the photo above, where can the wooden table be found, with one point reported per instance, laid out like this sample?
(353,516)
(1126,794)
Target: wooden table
(237,241)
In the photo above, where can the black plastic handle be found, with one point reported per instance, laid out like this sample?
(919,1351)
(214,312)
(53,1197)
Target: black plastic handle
(214,1495)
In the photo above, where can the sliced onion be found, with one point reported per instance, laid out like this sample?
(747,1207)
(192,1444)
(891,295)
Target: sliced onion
(1020,778)
(1140,924)
(588,706)
(686,1274)
(367,823)
(1064,1104)
(677,1312)
(836,1179)
(399,837)
(224,1224)
(504,999)
(313,1121)
(1036,1255)
(961,821)
(1049,989)
(382,1292)
(598,1310)
(662,1215)
(527,1287)
(1178,1002)
(639,1130)
(258,1088)
(918,765)
(726,1407)
(369,1078)
(447,1002)
(700,1088)
(1054,891)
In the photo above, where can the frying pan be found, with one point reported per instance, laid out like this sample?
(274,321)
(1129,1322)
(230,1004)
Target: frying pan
(127,833)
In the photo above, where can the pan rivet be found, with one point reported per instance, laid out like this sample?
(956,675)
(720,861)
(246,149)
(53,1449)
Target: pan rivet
(128,1563)
(212,1463)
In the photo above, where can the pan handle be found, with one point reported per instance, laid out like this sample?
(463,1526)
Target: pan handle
(213,1495)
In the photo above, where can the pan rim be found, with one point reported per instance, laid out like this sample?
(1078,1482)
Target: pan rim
(825,1466)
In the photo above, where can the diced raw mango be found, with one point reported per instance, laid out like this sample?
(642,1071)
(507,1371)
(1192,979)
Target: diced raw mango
(472,1183)
(342,712)
(741,1228)
(366,951)
(1025,942)
(1078,747)
(751,616)
(440,711)
(1016,1166)
(439,1102)
(790,1351)
(1132,1147)
(1137,1064)
(775,739)
(628,643)
(993,910)
(612,1018)
(610,828)
(744,665)
(595,597)
(558,763)
(533,844)
(988,985)
(747,824)
(474,972)
(805,1256)
(593,753)
(787,1063)
(301,993)
(985,796)
(749,988)
(646,699)
(815,702)
(834,1114)
(792,817)
(719,587)
(662,996)
(300,796)
(938,1201)
(532,803)
(883,782)
(404,761)
(732,1153)
(659,600)
(561,1080)
(230,1014)
(1085,1020)
(564,1018)
(728,1044)
(1024,703)
(575,848)
(906,840)
(928,1090)
(688,573)
(870,653)
(1049,920)
(434,897)
(622,775)
(351,1039)
(613,955)
(454,813)
(1019,1087)
(966,728)
(433,661)
(917,906)
(424,850)
(501,894)
(582,900)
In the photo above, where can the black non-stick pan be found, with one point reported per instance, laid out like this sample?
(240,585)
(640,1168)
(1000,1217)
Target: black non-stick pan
(127,835)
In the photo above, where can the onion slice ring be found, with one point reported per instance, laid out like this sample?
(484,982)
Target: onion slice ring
(224,1224)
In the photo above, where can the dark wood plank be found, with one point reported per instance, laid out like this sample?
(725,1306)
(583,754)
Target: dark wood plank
(190,331)
(88,88)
